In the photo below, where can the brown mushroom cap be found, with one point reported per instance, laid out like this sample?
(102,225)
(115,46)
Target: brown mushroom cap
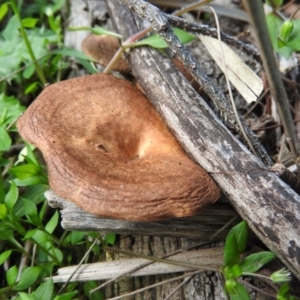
(102,48)
(108,150)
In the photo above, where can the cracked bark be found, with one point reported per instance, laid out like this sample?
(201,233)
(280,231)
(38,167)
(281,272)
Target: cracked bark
(271,208)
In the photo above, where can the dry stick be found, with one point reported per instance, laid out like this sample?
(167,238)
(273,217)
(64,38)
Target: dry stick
(213,32)
(256,12)
(257,289)
(162,260)
(80,263)
(188,26)
(129,43)
(186,280)
(162,27)
(228,85)
(256,103)
(155,285)
(164,256)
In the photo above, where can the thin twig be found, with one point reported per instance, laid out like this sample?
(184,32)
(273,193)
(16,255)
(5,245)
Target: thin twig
(161,26)
(155,285)
(257,289)
(185,281)
(80,263)
(165,256)
(213,32)
(162,260)
(129,43)
(256,103)
(28,44)
(229,87)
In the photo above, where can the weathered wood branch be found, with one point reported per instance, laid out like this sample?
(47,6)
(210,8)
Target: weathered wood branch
(271,208)
(203,259)
(202,226)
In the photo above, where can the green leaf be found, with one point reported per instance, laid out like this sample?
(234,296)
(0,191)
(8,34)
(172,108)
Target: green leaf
(3,116)
(76,237)
(45,290)
(31,212)
(4,256)
(25,296)
(6,235)
(11,105)
(284,289)
(43,210)
(25,171)
(275,3)
(11,275)
(29,234)
(57,253)
(28,72)
(53,24)
(294,38)
(90,285)
(87,65)
(239,293)
(35,194)
(11,30)
(29,22)
(280,43)
(110,238)
(34,180)
(102,31)
(30,155)
(31,88)
(286,30)
(231,251)
(97,30)
(230,285)
(5,140)
(51,225)
(2,192)
(236,270)
(274,24)
(3,10)
(183,36)
(241,233)
(28,278)
(255,261)
(71,52)
(3,211)
(66,296)
(157,42)
(12,196)
(41,237)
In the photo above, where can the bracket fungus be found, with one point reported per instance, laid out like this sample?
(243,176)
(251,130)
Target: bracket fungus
(108,150)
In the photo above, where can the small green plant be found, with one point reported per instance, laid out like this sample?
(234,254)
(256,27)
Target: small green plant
(285,34)
(236,267)
(32,243)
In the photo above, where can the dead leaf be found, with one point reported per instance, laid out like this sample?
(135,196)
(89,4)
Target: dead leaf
(248,84)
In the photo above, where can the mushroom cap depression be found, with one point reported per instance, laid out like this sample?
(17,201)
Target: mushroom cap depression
(108,150)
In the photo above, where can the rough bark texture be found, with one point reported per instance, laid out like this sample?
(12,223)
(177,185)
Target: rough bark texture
(271,208)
